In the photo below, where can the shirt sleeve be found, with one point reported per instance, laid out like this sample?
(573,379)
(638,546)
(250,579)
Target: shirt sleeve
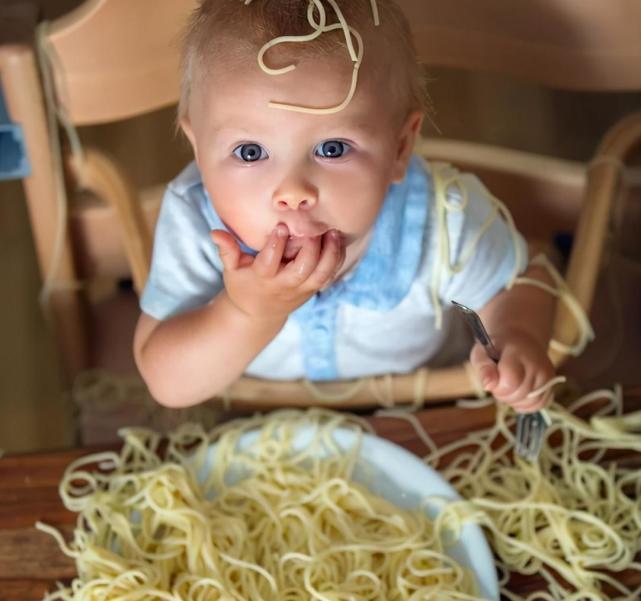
(486,250)
(186,270)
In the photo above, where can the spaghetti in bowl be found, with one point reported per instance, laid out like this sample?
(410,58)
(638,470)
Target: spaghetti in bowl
(352,475)
(290,507)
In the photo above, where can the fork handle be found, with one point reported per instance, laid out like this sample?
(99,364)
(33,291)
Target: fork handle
(478,330)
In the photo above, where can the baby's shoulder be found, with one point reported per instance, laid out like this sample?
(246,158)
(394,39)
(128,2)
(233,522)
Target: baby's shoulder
(185,206)
(450,188)
(185,197)
(188,179)
(464,217)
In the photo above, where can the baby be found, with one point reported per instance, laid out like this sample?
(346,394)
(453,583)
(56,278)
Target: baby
(305,240)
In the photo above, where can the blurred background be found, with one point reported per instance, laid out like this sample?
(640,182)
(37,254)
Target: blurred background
(37,412)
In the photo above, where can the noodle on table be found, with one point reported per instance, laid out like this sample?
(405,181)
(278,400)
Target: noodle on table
(574,514)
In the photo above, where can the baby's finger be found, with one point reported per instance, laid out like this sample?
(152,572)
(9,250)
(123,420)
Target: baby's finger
(228,249)
(268,260)
(530,402)
(535,402)
(530,405)
(298,270)
(486,369)
(332,256)
(513,379)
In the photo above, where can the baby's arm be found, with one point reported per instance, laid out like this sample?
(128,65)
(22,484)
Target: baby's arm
(194,356)
(520,322)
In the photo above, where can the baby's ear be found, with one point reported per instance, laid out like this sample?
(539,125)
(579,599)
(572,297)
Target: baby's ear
(405,145)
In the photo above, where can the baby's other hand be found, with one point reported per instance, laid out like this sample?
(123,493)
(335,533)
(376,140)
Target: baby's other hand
(523,367)
(269,287)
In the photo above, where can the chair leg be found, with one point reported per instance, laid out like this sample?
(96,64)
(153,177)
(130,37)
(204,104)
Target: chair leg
(23,95)
(68,312)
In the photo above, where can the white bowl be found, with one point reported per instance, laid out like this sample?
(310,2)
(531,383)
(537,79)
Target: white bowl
(397,475)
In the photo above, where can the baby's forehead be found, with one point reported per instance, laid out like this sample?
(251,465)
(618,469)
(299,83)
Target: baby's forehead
(316,63)
(315,81)
(229,34)
(239,57)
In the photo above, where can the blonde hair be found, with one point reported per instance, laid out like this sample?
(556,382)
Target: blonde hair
(233,30)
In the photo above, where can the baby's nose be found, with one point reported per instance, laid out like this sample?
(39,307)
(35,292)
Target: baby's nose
(294,196)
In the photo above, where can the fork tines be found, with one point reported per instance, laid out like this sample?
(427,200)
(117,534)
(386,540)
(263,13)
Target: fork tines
(530,428)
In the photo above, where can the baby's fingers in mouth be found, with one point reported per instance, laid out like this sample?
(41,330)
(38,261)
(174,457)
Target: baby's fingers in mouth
(331,259)
(268,260)
(295,244)
(305,258)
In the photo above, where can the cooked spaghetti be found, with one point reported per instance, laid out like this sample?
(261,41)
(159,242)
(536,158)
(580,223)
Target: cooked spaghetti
(320,27)
(268,521)
(573,517)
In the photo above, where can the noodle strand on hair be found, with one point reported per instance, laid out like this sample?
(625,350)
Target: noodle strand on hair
(320,27)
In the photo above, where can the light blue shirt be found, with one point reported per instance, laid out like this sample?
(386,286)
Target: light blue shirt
(380,317)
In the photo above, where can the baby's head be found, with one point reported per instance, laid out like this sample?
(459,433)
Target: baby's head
(293,145)
(231,32)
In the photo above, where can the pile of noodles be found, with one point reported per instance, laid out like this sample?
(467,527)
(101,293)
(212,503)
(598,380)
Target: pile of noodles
(573,517)
(267,521)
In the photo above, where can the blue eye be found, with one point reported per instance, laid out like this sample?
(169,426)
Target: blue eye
(249,153)
(332,149)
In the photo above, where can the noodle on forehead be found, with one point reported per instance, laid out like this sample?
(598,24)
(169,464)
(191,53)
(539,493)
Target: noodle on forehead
(320,27)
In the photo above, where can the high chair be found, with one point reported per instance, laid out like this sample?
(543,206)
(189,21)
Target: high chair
(106,61)
(111,60)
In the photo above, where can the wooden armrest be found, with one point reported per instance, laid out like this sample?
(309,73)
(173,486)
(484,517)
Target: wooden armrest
(604,177)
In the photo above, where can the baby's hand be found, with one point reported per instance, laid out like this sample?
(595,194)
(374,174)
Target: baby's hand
(265,287)
(523,367)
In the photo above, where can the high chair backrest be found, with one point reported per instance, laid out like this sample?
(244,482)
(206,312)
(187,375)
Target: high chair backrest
(567,44)
(115,60)
(108,60)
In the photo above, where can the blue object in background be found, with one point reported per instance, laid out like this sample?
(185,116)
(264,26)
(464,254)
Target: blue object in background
(13,155)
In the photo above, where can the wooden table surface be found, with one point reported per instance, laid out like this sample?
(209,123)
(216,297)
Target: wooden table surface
(31,562)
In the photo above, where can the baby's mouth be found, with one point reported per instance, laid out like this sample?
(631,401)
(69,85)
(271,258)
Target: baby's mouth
(294,244)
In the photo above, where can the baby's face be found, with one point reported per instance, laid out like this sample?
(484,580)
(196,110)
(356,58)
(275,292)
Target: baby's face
(263,166)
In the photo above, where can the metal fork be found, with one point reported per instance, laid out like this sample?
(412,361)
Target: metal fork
(530,427)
